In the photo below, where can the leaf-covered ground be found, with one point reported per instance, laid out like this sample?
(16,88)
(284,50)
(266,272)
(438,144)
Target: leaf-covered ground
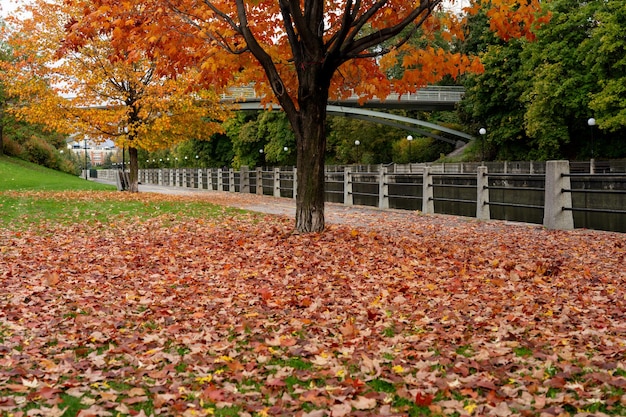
(402,314)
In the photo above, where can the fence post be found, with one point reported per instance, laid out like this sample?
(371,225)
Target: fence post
(244,179)
(557,180)
(348,198)
(482,194)
(428,204)
(383,188)
(259,181)
(295,183)
(231,180)
(276,182)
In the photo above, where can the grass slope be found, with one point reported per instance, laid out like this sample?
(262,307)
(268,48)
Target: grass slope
(16,174)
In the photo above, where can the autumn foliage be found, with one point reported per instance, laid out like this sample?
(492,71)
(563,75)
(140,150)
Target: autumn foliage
(94,91)
(385,313)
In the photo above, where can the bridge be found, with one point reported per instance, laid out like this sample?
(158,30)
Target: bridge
(427,99)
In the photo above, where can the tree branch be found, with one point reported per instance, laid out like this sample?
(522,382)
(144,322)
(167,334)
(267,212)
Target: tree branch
(264,59)
(354,47)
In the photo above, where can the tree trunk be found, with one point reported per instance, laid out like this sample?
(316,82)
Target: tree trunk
(133,175)
(311,142)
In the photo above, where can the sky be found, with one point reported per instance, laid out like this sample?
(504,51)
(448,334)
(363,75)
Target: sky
(8,6)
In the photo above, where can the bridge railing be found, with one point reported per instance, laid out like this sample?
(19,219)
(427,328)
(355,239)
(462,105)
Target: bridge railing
(429,93)
(556,194)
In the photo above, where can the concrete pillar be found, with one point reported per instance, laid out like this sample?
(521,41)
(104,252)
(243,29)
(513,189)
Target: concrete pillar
(220,180)
(383,188)
(259,181)
(482,194)
(348,198)
(557,180)
(428,204)
(244,180)
(276,182)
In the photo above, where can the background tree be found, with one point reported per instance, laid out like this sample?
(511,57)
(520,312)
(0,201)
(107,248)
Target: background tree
(557,98)
(101,94)
(535,98)
(607,60)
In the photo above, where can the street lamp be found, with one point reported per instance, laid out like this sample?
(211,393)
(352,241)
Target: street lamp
(410,139)
(197,162)
(592,122)
(358,156)
(85,143)
(482,132)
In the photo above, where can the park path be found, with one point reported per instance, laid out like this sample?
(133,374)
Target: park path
(390,221)
(360,216)
(396,222)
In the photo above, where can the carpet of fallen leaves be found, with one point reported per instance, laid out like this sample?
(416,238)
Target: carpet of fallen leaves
(416,315)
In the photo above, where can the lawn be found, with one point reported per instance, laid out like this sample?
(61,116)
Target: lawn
(156,305)
(16,174)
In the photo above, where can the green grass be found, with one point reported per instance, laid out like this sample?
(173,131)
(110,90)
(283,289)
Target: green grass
(22,211)
(16,174)
(32,195)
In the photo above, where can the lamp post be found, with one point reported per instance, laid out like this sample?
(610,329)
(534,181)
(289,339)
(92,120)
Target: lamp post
(482,132)
(358,156)
(197,161)
(592,122)
(85,143)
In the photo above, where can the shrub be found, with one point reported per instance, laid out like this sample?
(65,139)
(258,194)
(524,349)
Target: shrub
(41,152)
(14,148)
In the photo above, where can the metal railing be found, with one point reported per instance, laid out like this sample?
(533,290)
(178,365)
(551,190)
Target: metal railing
(517,191)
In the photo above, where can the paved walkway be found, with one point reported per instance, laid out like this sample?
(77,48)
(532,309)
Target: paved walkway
(334,213)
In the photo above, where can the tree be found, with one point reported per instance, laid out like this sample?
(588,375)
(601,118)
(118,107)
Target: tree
(556,100)
(301,52)
(98,92)
(608,64)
